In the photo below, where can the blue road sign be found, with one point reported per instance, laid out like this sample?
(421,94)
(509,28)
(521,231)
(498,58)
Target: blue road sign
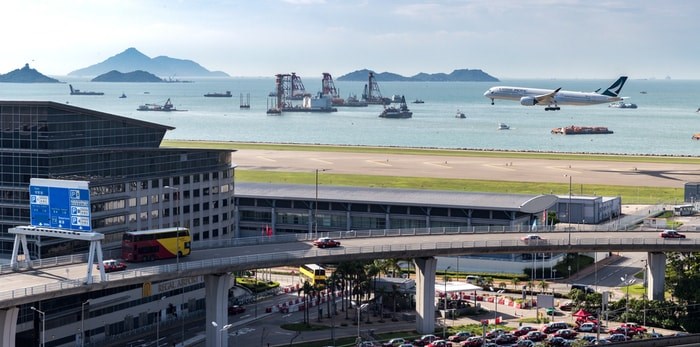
(60,204)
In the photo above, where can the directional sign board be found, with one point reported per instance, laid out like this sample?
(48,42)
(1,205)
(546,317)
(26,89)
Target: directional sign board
(60,204)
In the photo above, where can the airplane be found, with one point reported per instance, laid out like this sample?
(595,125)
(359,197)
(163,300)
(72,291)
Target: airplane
(556,97)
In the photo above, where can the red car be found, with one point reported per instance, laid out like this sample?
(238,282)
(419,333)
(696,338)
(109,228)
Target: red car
(112,265)
(534,336)
(622,330)
(474,341)
(566,333)
(671,234)
(236,309)
(424,340)
(440,343)
(523,330)
(324,242)
(634,326)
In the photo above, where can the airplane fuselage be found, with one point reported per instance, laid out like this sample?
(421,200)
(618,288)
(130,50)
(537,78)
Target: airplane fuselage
(562,97)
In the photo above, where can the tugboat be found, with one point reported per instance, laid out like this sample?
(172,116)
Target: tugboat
(460,114)
(123,96)
(503,126)
(393,112)
(167,107)
(418,101)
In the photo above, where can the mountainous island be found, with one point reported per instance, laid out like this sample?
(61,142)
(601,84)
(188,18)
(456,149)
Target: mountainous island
(462,75)
(134,76)
(133,60)
(26,75)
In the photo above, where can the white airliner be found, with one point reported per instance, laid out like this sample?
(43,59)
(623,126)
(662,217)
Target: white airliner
(556,97)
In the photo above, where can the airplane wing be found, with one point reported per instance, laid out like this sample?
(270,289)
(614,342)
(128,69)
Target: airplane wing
(547,99)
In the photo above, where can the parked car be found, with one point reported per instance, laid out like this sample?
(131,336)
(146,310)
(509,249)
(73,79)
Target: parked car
(523,330)
(494,333)
(624,331)
(440,343)
(671,234)
(567,306)
(394,342)
(554,326)
(460,336)
(112,265)
(535,336)
(474,341)
(505,339)
(556,341)
(587,327)
(236,309)
(617,338)
(324,242)
(525,343)
(424,340)
(634,326)
(566,333)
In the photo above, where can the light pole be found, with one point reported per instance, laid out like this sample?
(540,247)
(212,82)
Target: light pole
(82,322)
(644,283)
(43,324)
(316,203)
(158,322)
(444,318)
(495,313)
(568,210)
(176,197)
(221,331)
(627,296)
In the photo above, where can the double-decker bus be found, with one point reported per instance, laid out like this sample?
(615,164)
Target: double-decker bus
(316,275)
(156,244)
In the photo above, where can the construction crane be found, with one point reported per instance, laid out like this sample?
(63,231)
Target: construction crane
(372,95)
(328,88)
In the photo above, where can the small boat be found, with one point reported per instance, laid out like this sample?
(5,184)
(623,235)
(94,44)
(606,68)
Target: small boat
(696,136)
(503,126)
(401,112)
(418,101)
(218,95)
(123,96)
(460,114)
(167,107)
(622,104)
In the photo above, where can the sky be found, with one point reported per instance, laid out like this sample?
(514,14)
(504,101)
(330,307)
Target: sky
(508,39)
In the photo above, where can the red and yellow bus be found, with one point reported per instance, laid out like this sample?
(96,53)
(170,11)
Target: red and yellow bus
(315,274)
(156,244)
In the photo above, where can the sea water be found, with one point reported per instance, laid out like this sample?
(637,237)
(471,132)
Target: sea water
(663,123)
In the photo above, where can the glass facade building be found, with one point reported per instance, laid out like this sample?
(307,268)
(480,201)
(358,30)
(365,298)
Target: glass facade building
(134,184)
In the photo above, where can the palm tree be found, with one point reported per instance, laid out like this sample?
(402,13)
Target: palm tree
(515,282)
(502,285)
(308,290)
(543,285)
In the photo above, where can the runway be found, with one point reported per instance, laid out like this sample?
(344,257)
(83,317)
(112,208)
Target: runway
(640,174)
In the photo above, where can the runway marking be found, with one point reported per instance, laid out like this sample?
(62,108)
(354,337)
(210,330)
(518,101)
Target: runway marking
(565,169)
(438,164)
(321,161)
(383,163)
(266,158)
(503,167)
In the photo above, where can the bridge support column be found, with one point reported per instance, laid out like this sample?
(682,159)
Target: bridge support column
(216,290)
(425,294)
(8,324)
(656,271)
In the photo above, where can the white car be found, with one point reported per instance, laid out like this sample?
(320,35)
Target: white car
(587,327)
(534,238)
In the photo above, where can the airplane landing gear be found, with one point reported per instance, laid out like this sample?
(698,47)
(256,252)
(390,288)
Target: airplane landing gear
(492,103)
(552,108)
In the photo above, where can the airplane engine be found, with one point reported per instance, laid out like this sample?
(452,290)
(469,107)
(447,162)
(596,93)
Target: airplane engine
(528,101)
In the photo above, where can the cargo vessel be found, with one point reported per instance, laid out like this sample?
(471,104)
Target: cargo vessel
(167,107)
(80,92)
(581,130)
(218,95)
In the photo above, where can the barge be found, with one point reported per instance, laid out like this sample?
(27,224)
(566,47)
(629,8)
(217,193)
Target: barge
(581,130)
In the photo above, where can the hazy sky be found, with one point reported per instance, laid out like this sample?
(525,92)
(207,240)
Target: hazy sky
(505,38)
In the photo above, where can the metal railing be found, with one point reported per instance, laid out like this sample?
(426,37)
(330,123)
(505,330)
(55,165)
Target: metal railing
(299,257)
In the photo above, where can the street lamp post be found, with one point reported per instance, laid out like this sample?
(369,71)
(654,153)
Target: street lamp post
(221,331)
(627,296)
(43,324)
(316,203)
(444,319)
(644,283)
(568,210)
(82,322)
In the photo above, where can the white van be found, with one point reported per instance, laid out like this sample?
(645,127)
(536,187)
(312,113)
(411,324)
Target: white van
(474,279)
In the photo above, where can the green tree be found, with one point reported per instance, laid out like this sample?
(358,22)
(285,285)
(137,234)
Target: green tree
(515,282)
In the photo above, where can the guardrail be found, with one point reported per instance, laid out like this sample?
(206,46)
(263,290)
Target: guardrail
(218,265)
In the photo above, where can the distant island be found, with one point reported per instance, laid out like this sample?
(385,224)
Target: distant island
(26,75)
(133,60)
(462,75)
(134,76)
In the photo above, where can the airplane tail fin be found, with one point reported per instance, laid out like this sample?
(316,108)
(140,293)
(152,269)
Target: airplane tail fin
(615,88)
